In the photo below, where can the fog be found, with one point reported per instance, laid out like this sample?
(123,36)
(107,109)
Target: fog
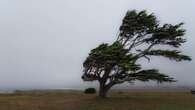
(43,43)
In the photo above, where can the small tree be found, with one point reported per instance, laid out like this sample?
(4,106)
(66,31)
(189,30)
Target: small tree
(140,36)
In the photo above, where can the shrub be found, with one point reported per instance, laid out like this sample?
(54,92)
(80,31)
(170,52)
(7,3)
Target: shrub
(120,92)
(90,91)
(192,91)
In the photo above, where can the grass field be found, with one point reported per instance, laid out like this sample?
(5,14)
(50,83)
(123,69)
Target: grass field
(77,100)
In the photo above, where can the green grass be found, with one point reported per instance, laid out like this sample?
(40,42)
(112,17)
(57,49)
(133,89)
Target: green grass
(75,100)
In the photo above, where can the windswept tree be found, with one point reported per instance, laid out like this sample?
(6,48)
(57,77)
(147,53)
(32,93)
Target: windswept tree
(140,36)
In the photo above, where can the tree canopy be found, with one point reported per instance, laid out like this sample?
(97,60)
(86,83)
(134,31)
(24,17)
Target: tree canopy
(140,36)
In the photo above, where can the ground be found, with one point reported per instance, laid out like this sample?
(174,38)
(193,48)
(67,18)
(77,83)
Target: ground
(77,100)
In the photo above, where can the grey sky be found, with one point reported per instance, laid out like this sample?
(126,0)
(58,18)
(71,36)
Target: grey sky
(44,42)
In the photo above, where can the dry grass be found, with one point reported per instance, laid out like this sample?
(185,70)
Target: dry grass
(75,100)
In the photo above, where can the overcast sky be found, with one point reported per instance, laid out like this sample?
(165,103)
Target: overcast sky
(43,43)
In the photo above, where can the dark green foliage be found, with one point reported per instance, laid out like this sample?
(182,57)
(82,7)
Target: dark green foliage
(136,23)
(171,54)
(90,91)
(140,36)
(152,74)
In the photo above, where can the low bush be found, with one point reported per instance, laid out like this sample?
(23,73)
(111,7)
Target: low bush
(192,91)
(90,91)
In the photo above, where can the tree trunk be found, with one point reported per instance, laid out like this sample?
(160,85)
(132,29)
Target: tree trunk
(104,89)
(103,92)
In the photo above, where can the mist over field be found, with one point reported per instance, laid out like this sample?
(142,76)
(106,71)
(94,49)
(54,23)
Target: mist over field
(43,43)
